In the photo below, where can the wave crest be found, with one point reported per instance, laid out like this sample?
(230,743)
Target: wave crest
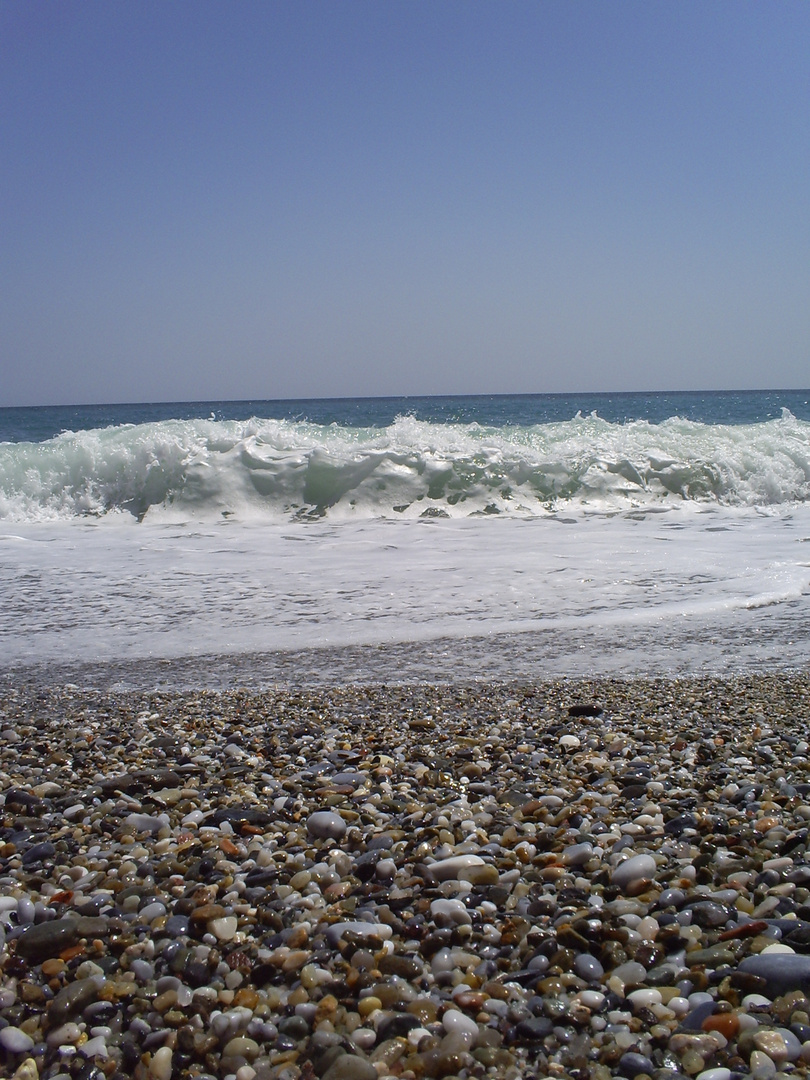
(412,468)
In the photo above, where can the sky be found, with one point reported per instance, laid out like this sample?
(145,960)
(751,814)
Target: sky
(204,200)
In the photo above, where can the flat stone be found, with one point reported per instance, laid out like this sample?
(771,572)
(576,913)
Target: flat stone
(782,972)
(48,939)
(451,869)
(74,998)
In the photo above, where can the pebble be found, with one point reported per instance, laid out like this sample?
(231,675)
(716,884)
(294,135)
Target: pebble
(326,825)
(14,1041)
(781,972)
(633,870)
(407,881)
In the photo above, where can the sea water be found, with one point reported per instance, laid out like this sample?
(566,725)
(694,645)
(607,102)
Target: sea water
(386,539)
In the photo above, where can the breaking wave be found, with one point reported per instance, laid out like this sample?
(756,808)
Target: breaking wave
(186,469)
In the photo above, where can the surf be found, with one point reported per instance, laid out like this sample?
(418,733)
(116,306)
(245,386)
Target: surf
(297,470)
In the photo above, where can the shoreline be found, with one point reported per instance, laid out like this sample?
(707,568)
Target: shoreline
(579,877)
(502,658)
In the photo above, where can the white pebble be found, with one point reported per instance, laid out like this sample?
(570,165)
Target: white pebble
(223,929)
(634,869)
(761,1066)
(457,1023)
(160,1067)
(644,999)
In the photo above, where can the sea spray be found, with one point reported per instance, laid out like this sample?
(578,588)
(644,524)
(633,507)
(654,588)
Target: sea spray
(285,470)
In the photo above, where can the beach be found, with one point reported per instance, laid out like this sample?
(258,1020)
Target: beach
(569,878)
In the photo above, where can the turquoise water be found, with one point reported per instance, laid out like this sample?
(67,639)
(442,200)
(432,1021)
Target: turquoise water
(405,457)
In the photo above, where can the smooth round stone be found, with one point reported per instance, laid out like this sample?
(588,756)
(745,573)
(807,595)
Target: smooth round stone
(349,779)
(719,1073)
(240,1046)
(326,825)
(792,1042)
(160,1067)
(177,925)
(442,961)
(534,1028)
(64,1035)
(631,1064)
(15,1041)
(679,1005)
(576,854)
(457,1023)
(630,972)
(708,914)
(540,964)
(25,911)
(591,999)
(636,868)
(365,1038)
(644,999)
(450,869)
(385,870)
(671,898)
(450,911)
(152,911)
(142,970)
(570,742)
(761,1066)
(588,967)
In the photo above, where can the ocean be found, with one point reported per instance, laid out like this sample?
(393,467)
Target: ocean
(405,539)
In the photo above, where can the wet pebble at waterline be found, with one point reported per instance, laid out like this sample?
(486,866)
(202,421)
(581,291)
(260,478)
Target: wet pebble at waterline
(567,880)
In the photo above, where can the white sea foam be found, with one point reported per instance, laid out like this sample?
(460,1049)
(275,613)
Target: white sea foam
(571,547)
(276,470)
(697,588)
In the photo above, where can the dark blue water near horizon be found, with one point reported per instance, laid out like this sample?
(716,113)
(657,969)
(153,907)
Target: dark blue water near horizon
(39,423)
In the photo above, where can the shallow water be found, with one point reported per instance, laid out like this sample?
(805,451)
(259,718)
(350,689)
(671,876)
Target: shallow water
(695,590)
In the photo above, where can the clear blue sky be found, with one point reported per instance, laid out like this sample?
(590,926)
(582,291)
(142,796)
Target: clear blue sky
(242,200)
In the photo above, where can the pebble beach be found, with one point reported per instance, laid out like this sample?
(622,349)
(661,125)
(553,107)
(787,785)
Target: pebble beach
(570,879)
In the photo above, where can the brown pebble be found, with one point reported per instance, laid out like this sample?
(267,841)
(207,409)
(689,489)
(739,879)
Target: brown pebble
(205,912)
(53,967)
(473,1001)
(726,1023)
